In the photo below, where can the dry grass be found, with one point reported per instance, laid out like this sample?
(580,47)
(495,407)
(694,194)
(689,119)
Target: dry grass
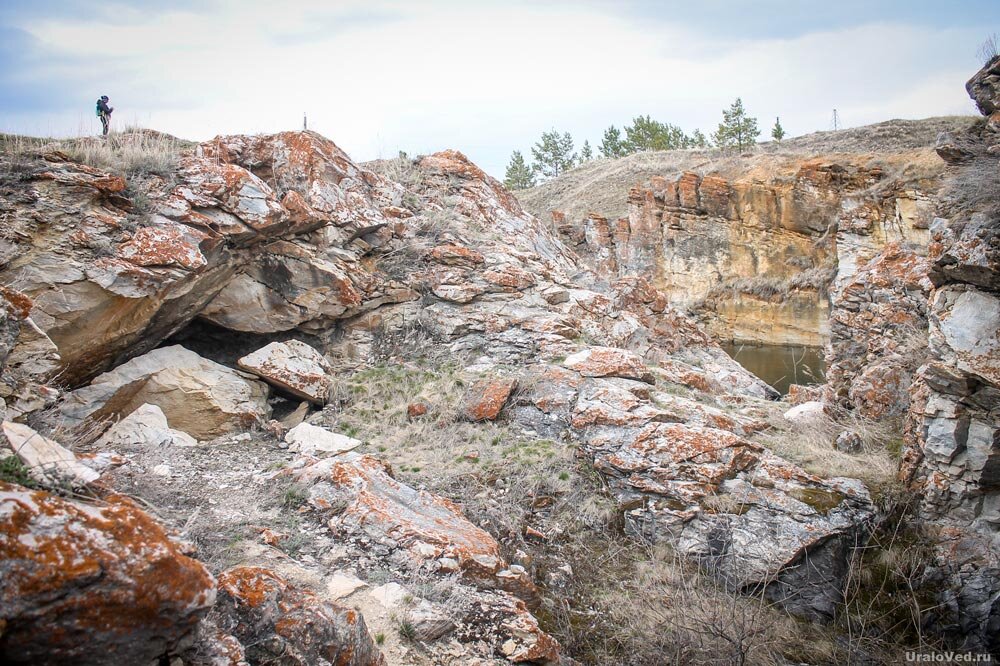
(974,187)
(809,444)
(668,611)
(133,152)
(493,469)
(816,278)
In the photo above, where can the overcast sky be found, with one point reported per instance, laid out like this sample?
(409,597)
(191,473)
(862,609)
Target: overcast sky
(484,77)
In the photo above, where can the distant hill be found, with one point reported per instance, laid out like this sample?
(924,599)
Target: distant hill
(602,185)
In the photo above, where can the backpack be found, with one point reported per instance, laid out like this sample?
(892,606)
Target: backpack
(97,110)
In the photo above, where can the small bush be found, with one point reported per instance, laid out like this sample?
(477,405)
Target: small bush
(13,470)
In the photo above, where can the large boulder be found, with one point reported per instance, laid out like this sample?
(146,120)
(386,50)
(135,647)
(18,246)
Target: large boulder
(92,584)
(279,623)
(198,396)
(365,501)
(293,367)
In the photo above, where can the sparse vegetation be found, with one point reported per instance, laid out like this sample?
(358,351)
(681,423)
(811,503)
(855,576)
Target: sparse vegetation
(12,470)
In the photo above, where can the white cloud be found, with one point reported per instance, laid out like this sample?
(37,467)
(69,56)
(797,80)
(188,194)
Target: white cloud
(488,78)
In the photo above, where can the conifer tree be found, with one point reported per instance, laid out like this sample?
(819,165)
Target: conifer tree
(737,129)
(777,132)
(519,175)
(586,152)
(553,154)
(648,134)
(699,140)
(611,146)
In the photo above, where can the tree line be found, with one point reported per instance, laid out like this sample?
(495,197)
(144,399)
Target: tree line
(554,152)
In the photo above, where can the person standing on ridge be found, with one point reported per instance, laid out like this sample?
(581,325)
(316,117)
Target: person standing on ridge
(104,113)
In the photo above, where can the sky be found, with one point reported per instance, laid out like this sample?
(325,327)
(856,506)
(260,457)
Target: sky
(485,77)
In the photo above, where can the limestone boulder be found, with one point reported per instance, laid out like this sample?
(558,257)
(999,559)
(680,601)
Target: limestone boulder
(276,621)
(145,427)
(965,330)
(92,583)
(47,461)
(197,396)
(311,440)
(293,367)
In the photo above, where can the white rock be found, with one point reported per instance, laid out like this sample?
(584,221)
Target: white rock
(146,426)
(162,470)
(389,595)
(341,585)
(198,396)
(313,440)
(292,366)
(807,411)
(47,461)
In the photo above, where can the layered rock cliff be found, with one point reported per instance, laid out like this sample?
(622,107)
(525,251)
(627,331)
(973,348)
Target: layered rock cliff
(757,253)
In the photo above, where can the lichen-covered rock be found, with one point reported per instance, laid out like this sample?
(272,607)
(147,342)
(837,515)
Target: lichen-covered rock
(198,396)
(750,517)
(92,584)
(275,620)
(608,362)
(365,501)
(292,366)
(485,399)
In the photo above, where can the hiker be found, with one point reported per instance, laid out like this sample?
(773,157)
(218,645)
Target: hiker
(104,113)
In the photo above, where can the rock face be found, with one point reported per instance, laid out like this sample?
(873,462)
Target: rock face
(92,584)
(879,324)
(953,435)
(755,251)
(278,621)
(218,242)
(292,366)
(198,396)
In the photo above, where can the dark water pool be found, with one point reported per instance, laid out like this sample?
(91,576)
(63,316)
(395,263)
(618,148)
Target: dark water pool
(780,365)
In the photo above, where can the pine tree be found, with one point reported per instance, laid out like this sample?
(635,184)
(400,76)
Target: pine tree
(737,129)
(519,175)
(586,152)
(699,140)
(611,145)
(648,134)
(777,132)
(553,154)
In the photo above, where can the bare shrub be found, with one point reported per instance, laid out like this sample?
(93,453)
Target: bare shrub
(988,50)
(810,444)
(975,186)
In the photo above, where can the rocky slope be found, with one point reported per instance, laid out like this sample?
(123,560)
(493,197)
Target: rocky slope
(282,406)
(282,237)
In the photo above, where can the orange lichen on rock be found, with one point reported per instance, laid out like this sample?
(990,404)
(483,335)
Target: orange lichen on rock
(92,584)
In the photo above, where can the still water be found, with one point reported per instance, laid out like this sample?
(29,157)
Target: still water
(780,365)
